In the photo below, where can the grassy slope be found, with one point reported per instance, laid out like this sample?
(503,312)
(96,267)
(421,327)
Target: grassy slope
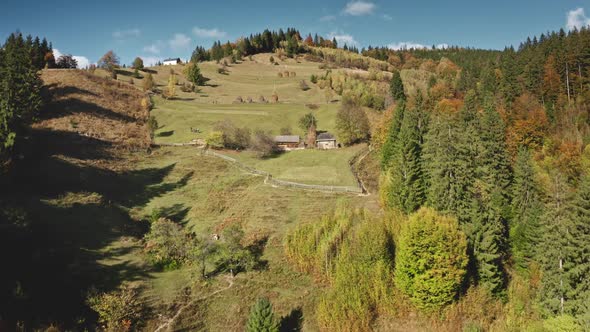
(217,194)
(307,166)
(85,200)
(177,117)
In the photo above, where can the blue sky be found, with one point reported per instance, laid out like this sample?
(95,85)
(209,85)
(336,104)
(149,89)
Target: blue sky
(159,29)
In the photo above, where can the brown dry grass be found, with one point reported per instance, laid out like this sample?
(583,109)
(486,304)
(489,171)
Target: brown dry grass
(94,107)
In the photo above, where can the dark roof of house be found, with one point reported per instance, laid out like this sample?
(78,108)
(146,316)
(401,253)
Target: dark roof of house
(171,59)
(325,137)
(287,139)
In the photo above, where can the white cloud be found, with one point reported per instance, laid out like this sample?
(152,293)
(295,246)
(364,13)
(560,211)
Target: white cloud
(82,61)
(343,38)
(208,33)
(56,53)
(150,61)
(577,19)
(387,17)
(123,34)
(405,45)
(359,8)
(179,41)
(327,18)
(154,48)
(409,45)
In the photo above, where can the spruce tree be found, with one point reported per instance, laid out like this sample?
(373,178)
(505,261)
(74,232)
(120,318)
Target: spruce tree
(388,150)
(396,87)
(262,318)
(20,90)
(579,274)
(406,191)
(526,210)
(556,250)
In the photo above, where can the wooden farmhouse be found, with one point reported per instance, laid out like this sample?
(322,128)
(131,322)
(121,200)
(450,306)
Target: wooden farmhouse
(288,142)
(326,141)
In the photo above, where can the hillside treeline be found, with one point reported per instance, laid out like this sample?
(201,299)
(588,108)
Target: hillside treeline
(20,86)
(485,168)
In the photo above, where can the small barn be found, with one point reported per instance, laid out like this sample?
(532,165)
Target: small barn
(326,141)
(171,61)
(288,142)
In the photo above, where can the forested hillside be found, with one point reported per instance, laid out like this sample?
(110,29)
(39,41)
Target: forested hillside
(488,160)
(482,224)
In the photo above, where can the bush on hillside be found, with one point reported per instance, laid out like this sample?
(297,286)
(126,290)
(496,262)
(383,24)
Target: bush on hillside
(214,140)
(431,259)
(233,137)
(264,145)
(119,310)
(352,123)
(166,244)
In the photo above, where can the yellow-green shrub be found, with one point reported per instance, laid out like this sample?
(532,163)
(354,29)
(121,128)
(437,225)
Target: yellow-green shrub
(431,259)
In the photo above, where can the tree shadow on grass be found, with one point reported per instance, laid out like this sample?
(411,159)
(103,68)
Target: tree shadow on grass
(165,133)
(176,212)
(257,250)
(73,106)
(292,322)
(59,91)
(65,227)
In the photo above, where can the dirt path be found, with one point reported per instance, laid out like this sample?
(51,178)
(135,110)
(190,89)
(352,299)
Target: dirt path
(166,325)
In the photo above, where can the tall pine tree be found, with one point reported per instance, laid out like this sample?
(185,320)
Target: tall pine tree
(407,187)
(526,211)
(20,90)
(388,150)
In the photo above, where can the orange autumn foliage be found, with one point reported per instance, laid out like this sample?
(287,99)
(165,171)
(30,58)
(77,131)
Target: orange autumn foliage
(528,124)
(449,106)
(441,90)
(381,128)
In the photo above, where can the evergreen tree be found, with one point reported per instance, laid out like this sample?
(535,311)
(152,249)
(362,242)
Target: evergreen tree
(406,190)
(262,318)
(579,266)
(556,250)
(20,90)
(526,208)
(389,147)
(396,87)
(193,74)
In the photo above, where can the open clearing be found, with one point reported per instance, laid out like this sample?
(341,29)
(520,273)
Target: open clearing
(88,199)
(323,167)
(176,118)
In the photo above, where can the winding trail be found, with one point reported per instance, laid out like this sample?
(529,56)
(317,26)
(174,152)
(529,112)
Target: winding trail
(169,322)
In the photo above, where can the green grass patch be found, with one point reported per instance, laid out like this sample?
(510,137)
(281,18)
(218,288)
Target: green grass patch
(177,117)
(323,167)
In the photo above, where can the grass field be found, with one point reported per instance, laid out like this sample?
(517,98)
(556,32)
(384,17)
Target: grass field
(324,167)
(77,209)
(176,117)
(214,195)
